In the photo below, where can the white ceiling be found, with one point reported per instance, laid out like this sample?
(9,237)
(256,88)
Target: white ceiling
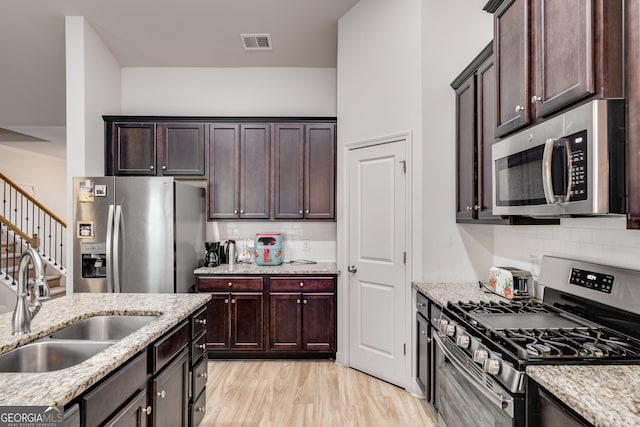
(149,33)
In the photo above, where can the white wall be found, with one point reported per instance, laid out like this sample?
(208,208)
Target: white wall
(93,89)
(229,91)
(46,175)
(453,33)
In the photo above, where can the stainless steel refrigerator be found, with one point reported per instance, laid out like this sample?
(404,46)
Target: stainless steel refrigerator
(136,234)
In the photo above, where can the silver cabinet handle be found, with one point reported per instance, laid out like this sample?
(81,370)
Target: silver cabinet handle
(226,300)
(300,212)
(230,284)
(421,304)
(151,167)
(235,211)
(164,168)
(201,409)
(307,211)
(298,301)
(469,208)
(202,346)
(233,301)
(301,284)
(304,301)
(519,108)
(535,99)
(203,322)
(203,375)
(352,269)
(241,211)
(147,410)
(161,394)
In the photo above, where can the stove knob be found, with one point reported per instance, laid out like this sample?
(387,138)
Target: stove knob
(463,341)
(450,330)
(442,324)
(491,366)
(479,356)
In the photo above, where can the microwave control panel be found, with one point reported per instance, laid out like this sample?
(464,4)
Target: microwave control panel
(578,144)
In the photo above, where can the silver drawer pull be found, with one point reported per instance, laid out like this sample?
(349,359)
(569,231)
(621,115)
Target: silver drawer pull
(147,410)
(202,346)
(161,394)
(203,375)
(301,284)
(201,409)
(203,322)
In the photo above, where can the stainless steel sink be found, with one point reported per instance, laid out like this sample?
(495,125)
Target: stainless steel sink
(103,328)
(48,355)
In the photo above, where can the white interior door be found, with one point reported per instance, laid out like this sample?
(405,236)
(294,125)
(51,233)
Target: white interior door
(377,246)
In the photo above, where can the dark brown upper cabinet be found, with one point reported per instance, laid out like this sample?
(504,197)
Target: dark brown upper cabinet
(239,171)
(550,54)
(156,149)
(304,171)
(475,119)
(632,82)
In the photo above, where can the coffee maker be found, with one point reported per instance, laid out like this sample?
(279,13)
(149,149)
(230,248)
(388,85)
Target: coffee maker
(212,257)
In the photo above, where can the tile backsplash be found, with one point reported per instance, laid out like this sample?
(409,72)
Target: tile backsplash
(314,241)
(603,240)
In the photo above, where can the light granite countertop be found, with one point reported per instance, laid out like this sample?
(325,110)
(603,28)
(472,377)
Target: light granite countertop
(441,293)
(285,268)
(606,396)
(57,388)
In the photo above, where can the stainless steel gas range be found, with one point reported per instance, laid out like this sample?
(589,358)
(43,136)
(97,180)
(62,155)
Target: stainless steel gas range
(590,314)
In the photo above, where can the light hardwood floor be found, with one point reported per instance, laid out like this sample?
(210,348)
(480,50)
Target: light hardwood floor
(305,393)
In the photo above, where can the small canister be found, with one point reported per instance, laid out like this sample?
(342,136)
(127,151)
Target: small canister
(267,249)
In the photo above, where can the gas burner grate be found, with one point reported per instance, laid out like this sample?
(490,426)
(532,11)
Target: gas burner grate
(583,343)
(493,307)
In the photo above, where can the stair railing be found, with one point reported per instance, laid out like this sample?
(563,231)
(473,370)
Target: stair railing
(33,223)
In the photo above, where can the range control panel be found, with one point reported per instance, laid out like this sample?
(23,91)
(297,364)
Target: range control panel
(591,280)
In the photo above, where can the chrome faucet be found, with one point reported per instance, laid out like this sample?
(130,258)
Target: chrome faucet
(25,311)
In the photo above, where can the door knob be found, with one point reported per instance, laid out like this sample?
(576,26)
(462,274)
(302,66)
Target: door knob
(352,269)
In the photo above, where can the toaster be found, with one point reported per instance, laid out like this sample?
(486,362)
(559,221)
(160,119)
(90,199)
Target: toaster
(510,282)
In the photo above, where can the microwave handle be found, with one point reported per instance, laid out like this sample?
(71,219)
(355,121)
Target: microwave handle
(547,167)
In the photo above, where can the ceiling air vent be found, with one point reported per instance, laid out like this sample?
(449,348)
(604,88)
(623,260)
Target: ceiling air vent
(256,41)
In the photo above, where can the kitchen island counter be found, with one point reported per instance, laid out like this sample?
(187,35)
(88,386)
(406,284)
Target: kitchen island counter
(56,388)
(605,395)
(272,270)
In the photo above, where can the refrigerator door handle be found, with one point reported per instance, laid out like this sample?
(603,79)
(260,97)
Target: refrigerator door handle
(109,250)
(116,249)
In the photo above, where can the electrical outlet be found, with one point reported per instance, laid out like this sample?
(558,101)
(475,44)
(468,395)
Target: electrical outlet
(306,245)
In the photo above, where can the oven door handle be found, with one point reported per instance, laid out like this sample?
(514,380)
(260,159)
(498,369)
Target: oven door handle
(501,400)
(547,167)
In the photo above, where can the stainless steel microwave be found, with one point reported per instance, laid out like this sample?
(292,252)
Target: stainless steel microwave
(571,164)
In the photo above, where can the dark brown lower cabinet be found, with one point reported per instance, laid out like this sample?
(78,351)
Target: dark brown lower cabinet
(267,315)
(134,414)
(169,393)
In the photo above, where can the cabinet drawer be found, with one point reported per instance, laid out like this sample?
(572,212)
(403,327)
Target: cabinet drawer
(198,409)
(198,348)
(422,305)
(302,284)
(199,380)
(229,283)
(166,348)
(198,322)
(101,402)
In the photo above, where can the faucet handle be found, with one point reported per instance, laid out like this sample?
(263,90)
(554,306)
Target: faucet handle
(41,288)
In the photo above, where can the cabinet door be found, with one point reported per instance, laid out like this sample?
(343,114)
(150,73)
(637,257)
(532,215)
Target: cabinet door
(285,321)
(247,331)
(224,166)
(424,357)
(133,148)
(135,414)
(632,89)
(319,171)
(319,322)
(511,50)
(564,53)
(486,126)
(169,394)
(218,314)
(182,149)
(465,146)
(288,177)
(255,164)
